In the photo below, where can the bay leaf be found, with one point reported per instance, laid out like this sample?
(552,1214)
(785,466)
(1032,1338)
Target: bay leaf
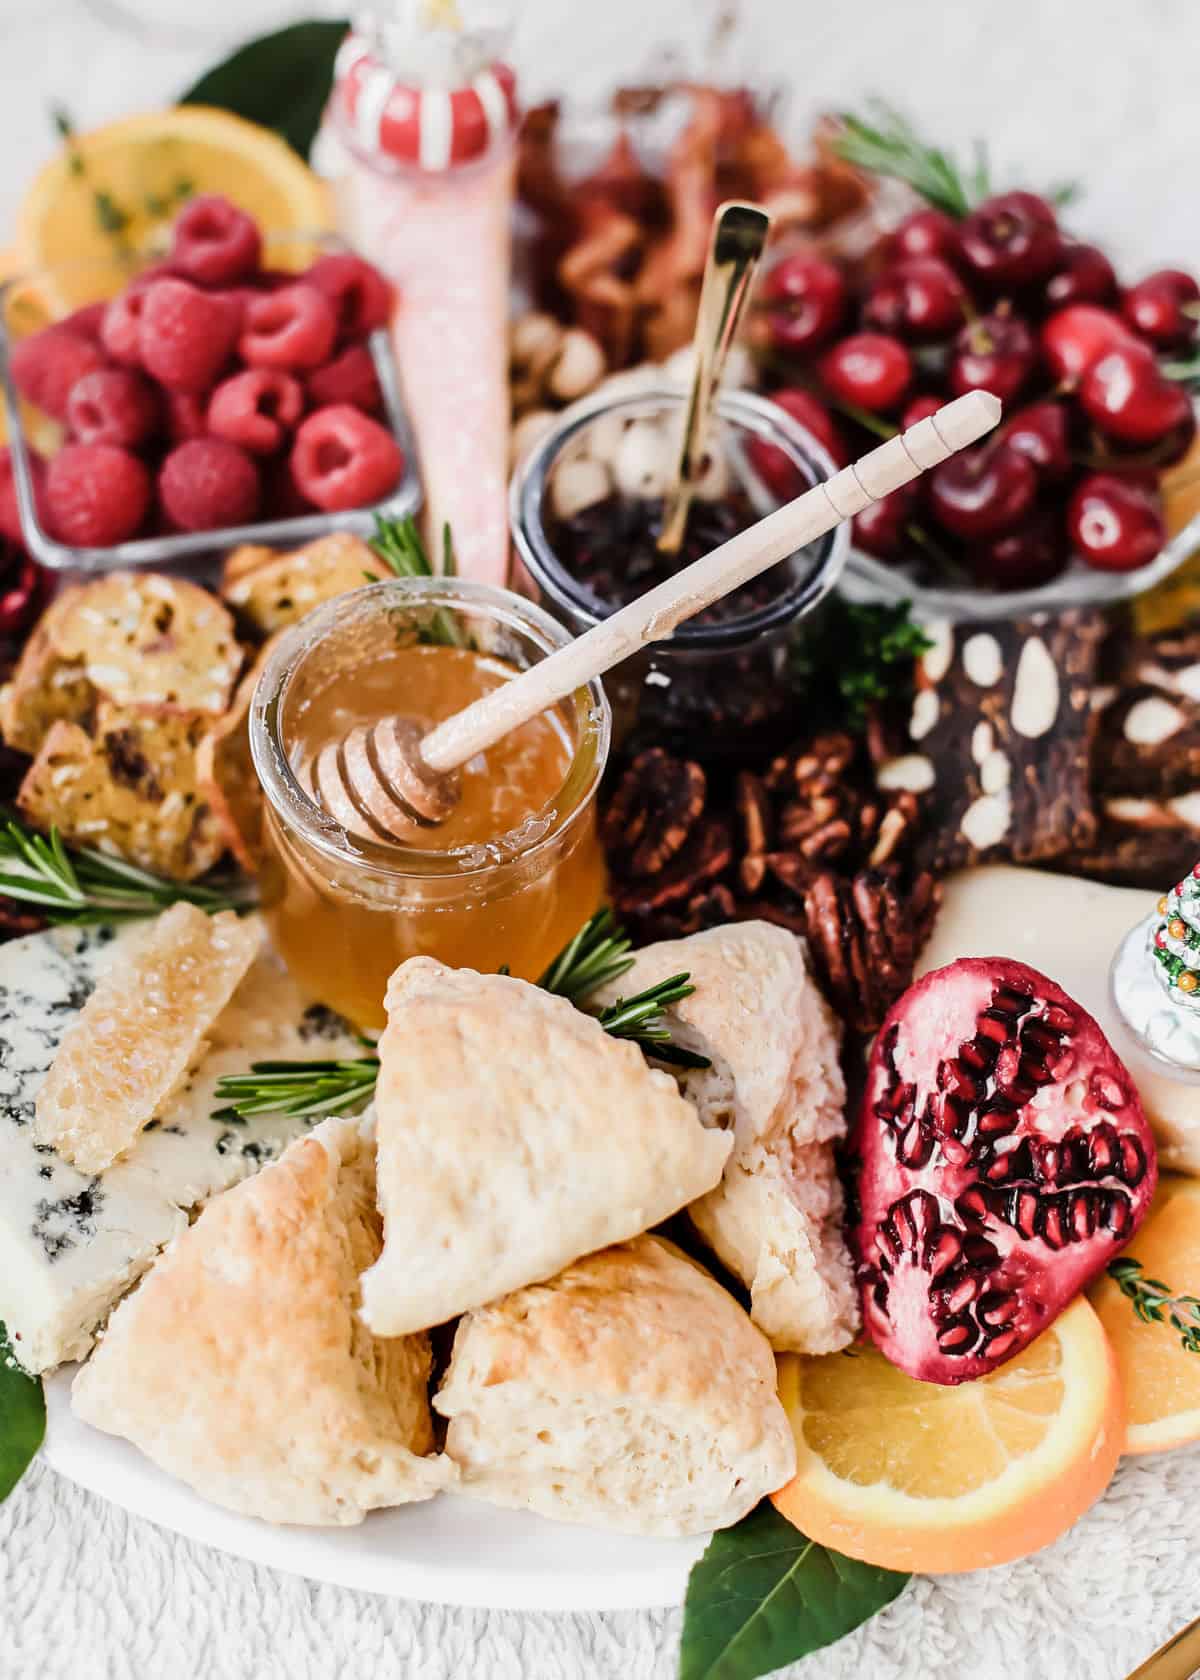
(22,1419)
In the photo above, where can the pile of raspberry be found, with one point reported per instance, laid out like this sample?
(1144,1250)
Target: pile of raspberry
(211,392)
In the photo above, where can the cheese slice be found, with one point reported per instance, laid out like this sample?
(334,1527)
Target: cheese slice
(1069,929)
(72,1243)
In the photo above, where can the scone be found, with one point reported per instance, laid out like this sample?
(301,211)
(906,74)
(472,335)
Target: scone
(240,1364)
(514,1135)
(629,1392)
(775,1219)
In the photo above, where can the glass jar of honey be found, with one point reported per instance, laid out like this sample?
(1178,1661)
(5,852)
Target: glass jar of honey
(516,867)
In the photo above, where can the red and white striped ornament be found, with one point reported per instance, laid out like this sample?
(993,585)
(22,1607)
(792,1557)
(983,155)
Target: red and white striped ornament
(430,128)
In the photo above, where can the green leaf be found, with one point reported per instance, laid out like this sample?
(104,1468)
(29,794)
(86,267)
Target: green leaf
(764,1595)
(22,1419)
(280,80)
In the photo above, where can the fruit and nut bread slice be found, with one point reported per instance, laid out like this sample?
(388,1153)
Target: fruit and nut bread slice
(129,787)
(268,591)
(141,1030)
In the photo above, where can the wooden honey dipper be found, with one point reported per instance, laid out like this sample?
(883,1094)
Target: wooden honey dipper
(383,779)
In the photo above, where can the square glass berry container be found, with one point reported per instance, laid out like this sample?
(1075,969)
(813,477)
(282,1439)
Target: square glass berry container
(584,509)
(33,301)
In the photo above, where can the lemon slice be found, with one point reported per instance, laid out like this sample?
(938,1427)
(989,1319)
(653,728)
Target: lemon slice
(911,1475)
(107,201)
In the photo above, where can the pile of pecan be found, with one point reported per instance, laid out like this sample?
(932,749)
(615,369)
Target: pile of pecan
(807,842)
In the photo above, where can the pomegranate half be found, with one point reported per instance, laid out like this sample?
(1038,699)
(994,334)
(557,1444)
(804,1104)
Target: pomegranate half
(1003,1160)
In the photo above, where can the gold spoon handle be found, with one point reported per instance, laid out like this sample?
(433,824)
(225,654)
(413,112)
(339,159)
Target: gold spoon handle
(739,235)
(1178,1659)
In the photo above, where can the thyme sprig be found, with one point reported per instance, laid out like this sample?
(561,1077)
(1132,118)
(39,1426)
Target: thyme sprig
(1155,1303)
(594,957)
(399,545)
(78,885)
(886,143)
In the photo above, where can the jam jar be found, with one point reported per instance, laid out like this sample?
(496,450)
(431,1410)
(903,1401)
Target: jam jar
(586,508)
(514,870)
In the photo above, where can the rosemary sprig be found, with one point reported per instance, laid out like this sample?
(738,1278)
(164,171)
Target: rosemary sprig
(888,144)
(1154,1303)
(78,885)
(595,956)
(398,544)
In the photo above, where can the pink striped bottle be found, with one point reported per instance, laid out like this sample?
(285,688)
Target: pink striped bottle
(426,112)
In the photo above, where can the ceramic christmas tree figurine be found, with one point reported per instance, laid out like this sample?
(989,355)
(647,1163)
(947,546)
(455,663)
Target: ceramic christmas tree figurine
(1155,980)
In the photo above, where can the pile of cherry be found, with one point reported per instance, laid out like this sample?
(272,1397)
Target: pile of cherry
(211,392)
(1001,301)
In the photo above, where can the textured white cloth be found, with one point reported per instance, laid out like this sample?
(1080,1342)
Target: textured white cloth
(87,1593)
(1094,89)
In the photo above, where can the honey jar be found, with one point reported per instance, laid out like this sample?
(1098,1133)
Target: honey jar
(514,870)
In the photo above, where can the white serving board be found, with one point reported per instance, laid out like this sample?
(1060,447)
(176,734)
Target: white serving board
(449,1550)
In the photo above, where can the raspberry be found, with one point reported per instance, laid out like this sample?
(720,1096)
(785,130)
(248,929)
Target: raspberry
(360,296)
(186,415)
(10,513)
(255,408)
(291,328)
(215,243)
(281,497)
(341,459)
(348,378)
(96,494)
(86,321)
(119,323)
(46,365)
(112,405)
(207,483)
(185,335)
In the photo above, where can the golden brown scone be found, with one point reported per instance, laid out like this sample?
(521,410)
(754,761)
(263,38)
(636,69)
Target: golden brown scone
(130,787)
(145,1025)
(776,1217)
(267,595)
(629,1392)
(240,1364)
(513,1135)
(225,774)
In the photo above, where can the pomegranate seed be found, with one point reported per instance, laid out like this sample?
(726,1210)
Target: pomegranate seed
(996,1308)
(963,1293)
(959,1336)
(1132,1163)
(972,1204)
(1102,1150)
(1052,1231)
(1001,1346)
(1083,1214)
(916,1146)
(1118,1214)
(942,1249)
(997,1028)
(1023,1211)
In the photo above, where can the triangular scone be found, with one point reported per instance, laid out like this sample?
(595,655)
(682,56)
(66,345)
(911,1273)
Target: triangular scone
(776,1217)
(514,1134)
(240,1363)
(629,1392)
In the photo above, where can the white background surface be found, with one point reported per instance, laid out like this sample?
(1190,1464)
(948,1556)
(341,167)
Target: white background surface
(1095,89)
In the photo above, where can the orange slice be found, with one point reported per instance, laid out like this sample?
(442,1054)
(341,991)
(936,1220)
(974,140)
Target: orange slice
(1161,1379)
(910,1475)
(106,202)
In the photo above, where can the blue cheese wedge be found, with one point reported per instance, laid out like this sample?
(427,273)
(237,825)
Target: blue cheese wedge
(71,1243)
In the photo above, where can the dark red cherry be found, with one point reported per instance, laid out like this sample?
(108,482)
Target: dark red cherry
(919,298)
(982,492)
(1072,339)
(1025,558)
(927,233)
(1040,432)
(1012,239)
(869,370)
(920,408)
(1084,275)
(1114,523)
(881,528)
(774,465)
(995,353)
(1129,399)
(23,591)
(805,298)
(1164,308)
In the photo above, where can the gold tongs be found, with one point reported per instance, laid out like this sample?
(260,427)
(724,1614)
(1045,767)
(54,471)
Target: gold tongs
(1178,1659)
